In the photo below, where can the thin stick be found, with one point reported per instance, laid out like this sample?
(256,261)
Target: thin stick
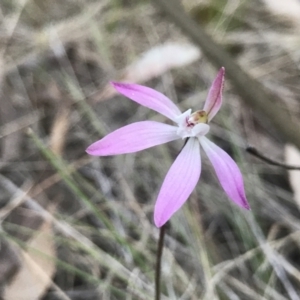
(160,248)
(255,152)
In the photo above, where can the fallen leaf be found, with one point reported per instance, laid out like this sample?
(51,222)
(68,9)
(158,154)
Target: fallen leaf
(35,275)
(9,261)
(288,9)
(160,59)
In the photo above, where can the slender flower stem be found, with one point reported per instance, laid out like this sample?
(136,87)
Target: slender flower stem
(160,248)
(255,152)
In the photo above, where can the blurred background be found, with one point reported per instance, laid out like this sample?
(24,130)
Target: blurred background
(80,227)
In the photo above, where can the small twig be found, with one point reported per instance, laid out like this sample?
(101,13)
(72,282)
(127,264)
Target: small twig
(252,150)
(160,248)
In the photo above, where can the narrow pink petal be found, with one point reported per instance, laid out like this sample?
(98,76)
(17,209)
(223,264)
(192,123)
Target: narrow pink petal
(227,171)
(134,137)
(148,97)
(179,182)
(214,99)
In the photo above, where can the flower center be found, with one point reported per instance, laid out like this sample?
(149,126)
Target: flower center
(192,124)
(199,116)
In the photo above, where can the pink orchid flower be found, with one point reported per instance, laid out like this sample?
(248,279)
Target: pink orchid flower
(185,171)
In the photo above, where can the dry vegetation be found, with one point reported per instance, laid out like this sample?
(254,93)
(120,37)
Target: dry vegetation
(78,227)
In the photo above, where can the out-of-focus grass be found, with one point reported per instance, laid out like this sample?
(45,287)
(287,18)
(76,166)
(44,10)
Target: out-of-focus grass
(103,221)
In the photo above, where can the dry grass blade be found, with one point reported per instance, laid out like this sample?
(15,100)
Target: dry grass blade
(292,156)
(20,123)
(14,202)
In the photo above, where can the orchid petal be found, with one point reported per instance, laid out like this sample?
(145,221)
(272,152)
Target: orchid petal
(214,99)
(227,172)
(181,119)
(148,97)
(179,182)
(134,137)
(200,129)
